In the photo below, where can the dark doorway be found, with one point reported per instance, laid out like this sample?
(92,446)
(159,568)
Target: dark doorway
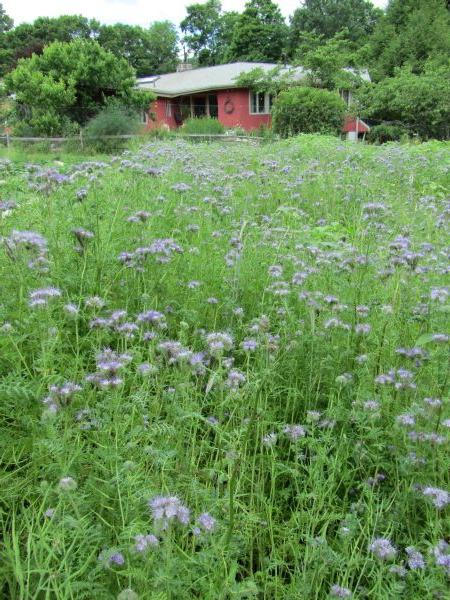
(213,106)
(199,106)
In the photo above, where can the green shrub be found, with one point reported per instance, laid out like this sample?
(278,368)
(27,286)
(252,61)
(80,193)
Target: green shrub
(113,120)
(203,125)
(307,110)
(380,134)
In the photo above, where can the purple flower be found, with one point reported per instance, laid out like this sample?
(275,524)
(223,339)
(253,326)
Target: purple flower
(144,542)
(383,549)
(206,522)
(166,509)
(111,557)
(415,558)
(42,296)
(340,592)
(440,498)
(294,432)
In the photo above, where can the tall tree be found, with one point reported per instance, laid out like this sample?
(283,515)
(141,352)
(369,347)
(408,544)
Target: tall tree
(6,22)
(260,33)
(357,18)
(150,51)
(31,38)
(412,33)
(201,28)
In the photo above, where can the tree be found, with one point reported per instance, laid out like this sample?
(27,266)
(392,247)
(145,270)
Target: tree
(27,39)
(150,51)
(330,17)
(260,33)
(419,101)
(6,22)
(328,62)
(307,110)
(201,28)
(68,83)
(412,32)
(208,32)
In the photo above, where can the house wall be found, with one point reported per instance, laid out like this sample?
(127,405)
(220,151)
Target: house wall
(159,109)
(239,117)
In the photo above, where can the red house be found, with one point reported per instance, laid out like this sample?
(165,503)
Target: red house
(211,92)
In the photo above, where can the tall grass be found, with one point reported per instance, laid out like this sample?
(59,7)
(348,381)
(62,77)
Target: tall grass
(284,408)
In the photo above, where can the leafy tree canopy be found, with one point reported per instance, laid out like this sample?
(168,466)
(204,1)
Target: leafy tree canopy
(208,32)
(412,32)
(150,51)
(6,22)
(29,38)
(330,17)
(420,101)
(260,33)
(68,84)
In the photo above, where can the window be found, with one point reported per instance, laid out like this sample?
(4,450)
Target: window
(144,116)
(260,103)
(168,109)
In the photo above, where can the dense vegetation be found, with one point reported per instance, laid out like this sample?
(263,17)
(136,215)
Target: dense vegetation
(406,49)
(225,373)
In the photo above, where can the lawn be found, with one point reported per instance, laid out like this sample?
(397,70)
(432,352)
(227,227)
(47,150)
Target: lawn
(224,372)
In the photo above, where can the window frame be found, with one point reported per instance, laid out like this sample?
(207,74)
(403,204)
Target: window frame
(267,102)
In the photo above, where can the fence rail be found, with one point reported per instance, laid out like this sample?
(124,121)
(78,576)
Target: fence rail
(7,139)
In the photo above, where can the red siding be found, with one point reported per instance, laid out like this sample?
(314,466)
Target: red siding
(353,124)
(159,110)
(240,115)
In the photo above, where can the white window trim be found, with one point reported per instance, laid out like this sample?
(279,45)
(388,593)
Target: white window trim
(266,103)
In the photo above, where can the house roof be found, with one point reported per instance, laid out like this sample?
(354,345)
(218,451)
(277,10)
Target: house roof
(218,77)
(203,79)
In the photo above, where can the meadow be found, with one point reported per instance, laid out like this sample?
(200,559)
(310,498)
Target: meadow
(224,372)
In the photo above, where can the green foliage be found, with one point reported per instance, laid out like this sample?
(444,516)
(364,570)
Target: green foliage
(307,110)
(68,84)
(272,81)
(337,254)
(328,62)
(419,102)
(380,134)
(149,51)
(29,38)
(6,22)
(204,125)
(112,120)
(356,19)
(260,33)
(412,32)
(202,28)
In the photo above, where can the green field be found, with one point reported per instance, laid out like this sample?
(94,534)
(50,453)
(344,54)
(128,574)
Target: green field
(225,372)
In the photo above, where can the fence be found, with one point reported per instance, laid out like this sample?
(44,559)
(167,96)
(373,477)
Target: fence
(83,140)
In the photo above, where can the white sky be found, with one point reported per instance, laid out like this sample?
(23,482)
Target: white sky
(134,12)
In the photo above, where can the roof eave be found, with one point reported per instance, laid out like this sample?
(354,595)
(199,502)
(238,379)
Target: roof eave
(165,94)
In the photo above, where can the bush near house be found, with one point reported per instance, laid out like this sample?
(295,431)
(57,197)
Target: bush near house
(386,132)
(68,84)
(113,120)
(203,125)
(307,110)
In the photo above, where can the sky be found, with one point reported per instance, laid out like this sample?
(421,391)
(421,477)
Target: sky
(133,12)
